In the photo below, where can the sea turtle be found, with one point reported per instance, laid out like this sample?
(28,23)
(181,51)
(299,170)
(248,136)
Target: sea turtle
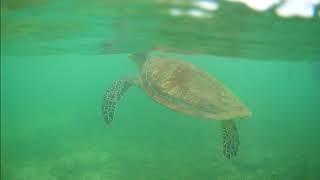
(183,87)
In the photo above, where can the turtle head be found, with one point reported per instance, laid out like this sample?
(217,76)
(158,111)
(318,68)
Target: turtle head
(139,58)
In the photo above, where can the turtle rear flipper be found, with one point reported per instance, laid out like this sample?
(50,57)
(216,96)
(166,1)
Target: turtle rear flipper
(112,96)
(230,139)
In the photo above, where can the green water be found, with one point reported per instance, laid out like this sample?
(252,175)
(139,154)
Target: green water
(54,72)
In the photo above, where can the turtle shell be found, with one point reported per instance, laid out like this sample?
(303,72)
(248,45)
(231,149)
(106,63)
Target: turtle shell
(185,88)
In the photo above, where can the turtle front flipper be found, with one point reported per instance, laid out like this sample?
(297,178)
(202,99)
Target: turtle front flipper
(230,139)
(112,96)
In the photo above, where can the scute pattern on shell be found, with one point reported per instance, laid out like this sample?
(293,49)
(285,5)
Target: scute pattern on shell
(184,87)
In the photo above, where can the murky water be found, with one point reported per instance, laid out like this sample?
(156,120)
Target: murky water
(58,58)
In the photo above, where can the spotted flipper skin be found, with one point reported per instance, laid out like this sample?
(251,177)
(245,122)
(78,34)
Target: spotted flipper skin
(230,139)
(112,96)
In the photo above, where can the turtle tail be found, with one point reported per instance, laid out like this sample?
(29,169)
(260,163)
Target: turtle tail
(112,96)
(230,139)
